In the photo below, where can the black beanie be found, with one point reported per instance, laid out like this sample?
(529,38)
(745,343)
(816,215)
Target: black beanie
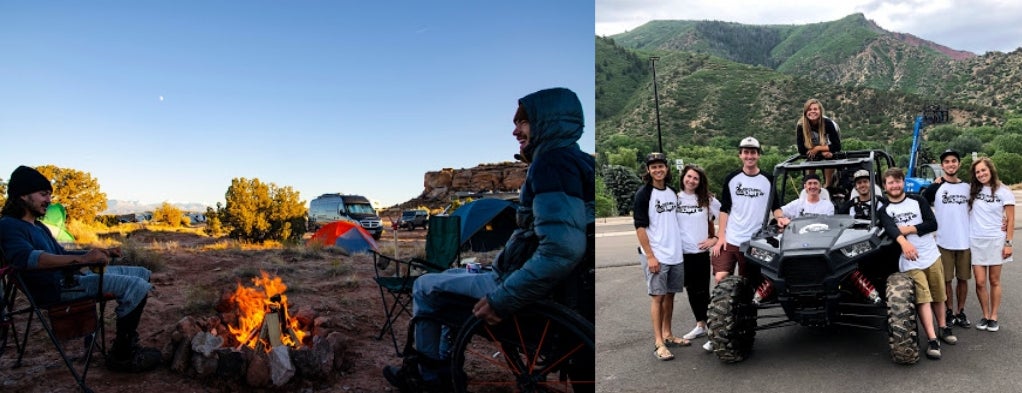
(25,180)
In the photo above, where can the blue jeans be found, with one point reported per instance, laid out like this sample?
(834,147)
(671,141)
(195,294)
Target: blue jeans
(129,284)
(427,300)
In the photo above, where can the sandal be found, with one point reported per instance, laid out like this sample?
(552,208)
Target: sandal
(672,341)
(661,352)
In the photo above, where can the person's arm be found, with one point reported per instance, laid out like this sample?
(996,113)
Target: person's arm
(651,261)
(929,223)
(931,192)
(782,219)
(834,134)
(800,140)
(892,230)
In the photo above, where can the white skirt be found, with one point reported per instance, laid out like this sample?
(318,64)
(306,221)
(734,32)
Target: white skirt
(986,251)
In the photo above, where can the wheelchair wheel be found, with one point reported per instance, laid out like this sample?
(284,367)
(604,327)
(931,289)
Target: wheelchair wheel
(547,348)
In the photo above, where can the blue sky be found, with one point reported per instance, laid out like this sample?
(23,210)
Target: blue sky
(168,101)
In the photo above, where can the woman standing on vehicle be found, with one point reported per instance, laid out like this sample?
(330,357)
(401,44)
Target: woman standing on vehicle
(817,136)
(696,211)
(989,202)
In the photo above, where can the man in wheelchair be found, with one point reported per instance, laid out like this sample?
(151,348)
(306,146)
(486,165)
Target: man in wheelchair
(557,204)
(28,245)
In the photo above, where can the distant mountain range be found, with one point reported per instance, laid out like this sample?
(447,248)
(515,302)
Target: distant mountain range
(720,81)
(114,206)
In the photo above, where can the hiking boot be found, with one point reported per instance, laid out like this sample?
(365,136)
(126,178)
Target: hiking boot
(982,324)
(404,380)
(950,318)
(962,320)
(947,336)
(992,325)
(138,359)
(933,350)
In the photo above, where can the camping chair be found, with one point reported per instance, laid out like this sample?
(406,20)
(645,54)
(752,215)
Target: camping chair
(63,320)
(443,249)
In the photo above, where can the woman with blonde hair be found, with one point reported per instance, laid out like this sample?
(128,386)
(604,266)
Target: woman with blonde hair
(990,201)
(817,136)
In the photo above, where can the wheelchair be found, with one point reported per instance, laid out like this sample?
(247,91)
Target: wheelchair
(548,346)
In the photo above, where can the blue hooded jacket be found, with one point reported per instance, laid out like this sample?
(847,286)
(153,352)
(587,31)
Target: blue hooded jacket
(557,203)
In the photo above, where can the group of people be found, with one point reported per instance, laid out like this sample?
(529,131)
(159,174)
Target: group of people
(967,232)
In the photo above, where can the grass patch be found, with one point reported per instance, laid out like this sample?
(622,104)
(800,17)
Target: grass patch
(200,300)
(136,254)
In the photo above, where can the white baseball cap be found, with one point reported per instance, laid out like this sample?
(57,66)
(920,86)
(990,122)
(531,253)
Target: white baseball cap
(749,142)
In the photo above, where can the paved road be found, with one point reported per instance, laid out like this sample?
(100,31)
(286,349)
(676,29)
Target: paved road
(791,359)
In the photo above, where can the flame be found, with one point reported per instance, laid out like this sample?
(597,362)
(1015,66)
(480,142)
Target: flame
(253,305)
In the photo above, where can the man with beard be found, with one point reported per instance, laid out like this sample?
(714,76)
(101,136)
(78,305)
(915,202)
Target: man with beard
(910,221)
(29,246)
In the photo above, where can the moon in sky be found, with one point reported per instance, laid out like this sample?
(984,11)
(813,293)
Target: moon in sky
(161,98)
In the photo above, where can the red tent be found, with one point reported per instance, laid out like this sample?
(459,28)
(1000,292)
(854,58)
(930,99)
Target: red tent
(345,234)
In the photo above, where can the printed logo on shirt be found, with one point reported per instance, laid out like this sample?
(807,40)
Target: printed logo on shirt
(905,218)
(953,199)
(748,192)
(802,213)
(988,198)
(665,206)
(689,209)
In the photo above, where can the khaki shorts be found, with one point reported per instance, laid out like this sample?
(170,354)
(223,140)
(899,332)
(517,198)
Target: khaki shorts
(728,258)
(929,283)
(957,264)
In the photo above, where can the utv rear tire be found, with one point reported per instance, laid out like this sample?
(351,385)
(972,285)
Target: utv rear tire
(902,328)
(732,319)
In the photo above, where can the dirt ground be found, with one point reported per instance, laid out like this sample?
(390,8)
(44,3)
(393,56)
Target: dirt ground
(192,275)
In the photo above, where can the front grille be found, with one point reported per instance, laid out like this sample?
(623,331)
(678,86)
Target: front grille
(370,224)
(804,271)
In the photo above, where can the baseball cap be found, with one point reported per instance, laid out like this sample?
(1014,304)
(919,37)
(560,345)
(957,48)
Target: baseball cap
(950,152)
(656,156)
(860,174)
(749,142)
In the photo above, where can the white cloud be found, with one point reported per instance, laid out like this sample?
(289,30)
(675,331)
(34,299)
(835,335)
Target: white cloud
(977,26)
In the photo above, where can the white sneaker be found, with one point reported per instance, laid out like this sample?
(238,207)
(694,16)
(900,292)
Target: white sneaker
(708,346)
(696,332)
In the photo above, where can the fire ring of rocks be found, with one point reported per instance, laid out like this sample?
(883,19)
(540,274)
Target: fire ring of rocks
(256,340)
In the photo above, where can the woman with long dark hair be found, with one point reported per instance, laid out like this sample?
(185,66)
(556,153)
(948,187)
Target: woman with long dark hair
(989,202)
(696,210)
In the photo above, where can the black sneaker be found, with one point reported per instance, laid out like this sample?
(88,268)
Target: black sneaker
(140,359)
(982,325)
(950,317)
(947,336)
(992,325)
(962,320)
(933,350)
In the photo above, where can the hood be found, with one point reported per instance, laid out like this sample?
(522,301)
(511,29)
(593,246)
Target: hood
(555,120)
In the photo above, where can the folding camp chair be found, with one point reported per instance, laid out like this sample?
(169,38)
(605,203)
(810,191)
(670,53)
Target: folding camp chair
(63,320)
(443,250)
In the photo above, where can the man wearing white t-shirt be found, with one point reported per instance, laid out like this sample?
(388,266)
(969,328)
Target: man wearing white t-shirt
(812,205)
(950,199)
(661,249)
(910,221)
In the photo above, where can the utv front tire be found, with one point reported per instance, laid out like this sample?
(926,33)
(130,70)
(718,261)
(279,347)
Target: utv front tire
(902,326)
(732,319)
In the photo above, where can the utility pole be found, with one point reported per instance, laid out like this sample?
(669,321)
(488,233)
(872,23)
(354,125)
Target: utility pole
(656,101)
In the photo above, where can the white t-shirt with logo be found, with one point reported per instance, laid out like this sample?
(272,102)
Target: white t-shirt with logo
(987,214)
(803,208)
(910,212)
(745,199)
(951,206)
(694,220)
(664,227)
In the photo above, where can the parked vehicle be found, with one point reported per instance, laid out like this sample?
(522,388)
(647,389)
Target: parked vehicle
(329,208)
(820,271)
(410,219)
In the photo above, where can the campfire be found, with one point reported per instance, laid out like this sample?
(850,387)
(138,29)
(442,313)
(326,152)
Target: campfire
(255,340)
(263,318)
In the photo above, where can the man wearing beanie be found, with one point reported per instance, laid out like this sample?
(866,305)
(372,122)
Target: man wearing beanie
(29,246)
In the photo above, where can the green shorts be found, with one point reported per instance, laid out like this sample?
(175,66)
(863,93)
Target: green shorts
(957,264)
(929,283)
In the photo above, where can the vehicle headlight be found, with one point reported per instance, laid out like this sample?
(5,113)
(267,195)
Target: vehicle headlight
(856,249)
(761,254)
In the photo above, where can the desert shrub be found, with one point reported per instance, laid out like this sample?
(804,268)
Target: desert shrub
(257,211)
(168,214)
(84,232)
